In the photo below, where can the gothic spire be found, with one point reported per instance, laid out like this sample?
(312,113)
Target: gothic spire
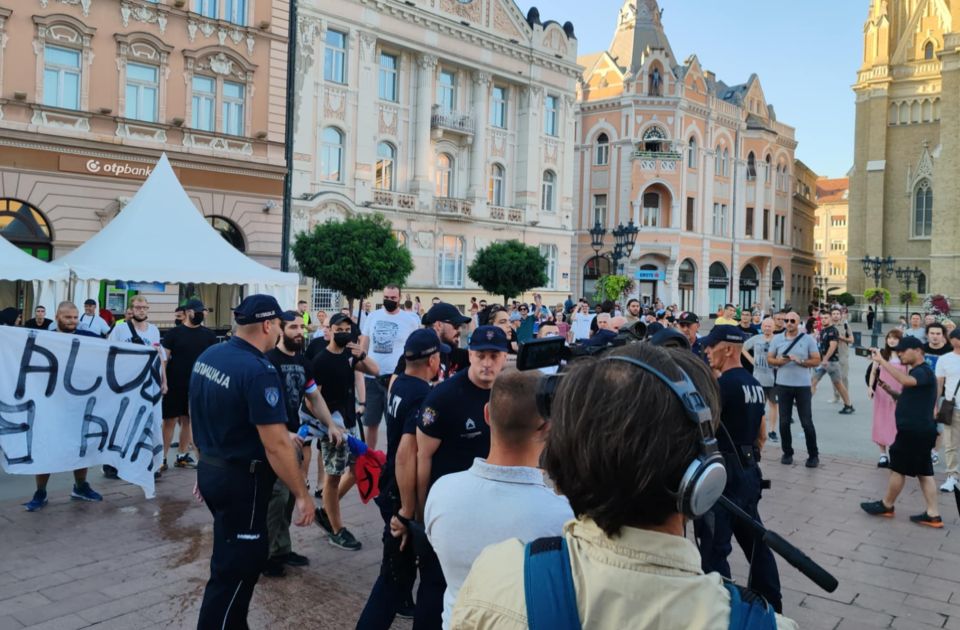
(638,27)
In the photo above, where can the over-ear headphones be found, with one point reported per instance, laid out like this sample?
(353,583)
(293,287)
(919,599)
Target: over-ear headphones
(705,477)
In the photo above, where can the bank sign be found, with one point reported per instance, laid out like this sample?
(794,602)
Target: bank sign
(105,168)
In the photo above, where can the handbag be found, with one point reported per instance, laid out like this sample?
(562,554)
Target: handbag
(945,413)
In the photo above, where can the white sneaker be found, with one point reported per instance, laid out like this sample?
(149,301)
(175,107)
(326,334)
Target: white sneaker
(949,485)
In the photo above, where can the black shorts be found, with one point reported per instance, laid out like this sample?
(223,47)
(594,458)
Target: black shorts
(910,453)
(175,403)
(771,393)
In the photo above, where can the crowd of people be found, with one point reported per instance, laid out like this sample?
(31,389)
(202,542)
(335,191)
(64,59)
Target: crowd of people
(463,496)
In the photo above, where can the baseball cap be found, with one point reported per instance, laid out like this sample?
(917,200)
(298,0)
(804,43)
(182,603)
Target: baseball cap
(422,343)
(197,305)
(254,308)
(89,302)
(669,337)
(955,333)
(687,317)
(908,343)
(730,334)
(443,312)
(339,318)
(489,338)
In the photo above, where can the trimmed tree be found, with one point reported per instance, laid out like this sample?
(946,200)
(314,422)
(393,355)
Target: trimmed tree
(613,287)
(508,269)
(846,299)
(355,256)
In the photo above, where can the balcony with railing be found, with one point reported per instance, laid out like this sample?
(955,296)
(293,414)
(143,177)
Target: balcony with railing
(658,161)
(393,200)
(507,215)
(442,120)
(452,207)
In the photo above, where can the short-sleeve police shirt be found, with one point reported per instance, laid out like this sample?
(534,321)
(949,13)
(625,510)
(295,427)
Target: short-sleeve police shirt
(742,409)
(234,388)
(453,413)
(403,412)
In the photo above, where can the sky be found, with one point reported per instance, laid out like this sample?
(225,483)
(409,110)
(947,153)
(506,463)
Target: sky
(806,54)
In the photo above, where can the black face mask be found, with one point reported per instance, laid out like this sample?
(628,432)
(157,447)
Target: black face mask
(342,338)
(390,305)
(197,318)
(179,322)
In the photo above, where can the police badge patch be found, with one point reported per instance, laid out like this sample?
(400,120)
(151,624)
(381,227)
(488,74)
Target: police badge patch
(428,416)
(272,394)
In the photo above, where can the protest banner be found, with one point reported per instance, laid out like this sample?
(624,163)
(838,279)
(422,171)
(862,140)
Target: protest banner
(68,402)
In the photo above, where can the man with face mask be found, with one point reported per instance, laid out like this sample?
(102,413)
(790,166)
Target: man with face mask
(384,333)
(183,345)
(298,384)
(236,401)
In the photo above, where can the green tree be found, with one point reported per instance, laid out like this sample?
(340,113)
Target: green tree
(508,269)
(355,256)
(846,299)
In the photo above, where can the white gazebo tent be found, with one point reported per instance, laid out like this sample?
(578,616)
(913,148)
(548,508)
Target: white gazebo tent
(160,236)
(17,265)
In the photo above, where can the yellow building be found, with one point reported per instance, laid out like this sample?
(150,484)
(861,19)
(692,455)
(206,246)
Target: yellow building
(803,264)
(831,233)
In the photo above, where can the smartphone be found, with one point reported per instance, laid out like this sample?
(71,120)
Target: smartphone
(863,352)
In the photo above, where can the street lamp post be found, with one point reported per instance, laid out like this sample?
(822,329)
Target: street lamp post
(624,238)
(907,276)
(878,269)
(821,282)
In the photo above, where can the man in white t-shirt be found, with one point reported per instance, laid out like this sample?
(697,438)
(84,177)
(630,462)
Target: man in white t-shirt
(580,324)
(385,332)
(501,497)
(92,322)
(948,383)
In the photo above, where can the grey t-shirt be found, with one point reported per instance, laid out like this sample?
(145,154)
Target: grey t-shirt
(759,347)
(793,374)
(919,333)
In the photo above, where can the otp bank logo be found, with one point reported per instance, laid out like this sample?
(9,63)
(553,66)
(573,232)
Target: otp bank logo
(93,166)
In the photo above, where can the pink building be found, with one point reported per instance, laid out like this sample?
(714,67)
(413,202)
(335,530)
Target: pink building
(702,167)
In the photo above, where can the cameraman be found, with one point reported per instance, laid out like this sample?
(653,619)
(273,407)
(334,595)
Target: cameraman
(619,444)
(740,440)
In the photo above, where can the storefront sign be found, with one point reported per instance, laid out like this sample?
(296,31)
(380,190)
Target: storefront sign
(105,168)
(648,275)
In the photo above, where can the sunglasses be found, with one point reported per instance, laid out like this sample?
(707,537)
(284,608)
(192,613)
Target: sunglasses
(791,321)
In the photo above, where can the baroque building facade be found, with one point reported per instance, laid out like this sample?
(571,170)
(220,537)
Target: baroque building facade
(833,199)
(904,185)
(93,91)
(704,168)
(452,118)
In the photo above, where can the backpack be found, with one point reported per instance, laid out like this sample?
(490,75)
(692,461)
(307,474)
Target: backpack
(551,597)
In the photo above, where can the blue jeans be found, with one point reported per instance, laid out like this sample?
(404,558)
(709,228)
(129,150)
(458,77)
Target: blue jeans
(787,396)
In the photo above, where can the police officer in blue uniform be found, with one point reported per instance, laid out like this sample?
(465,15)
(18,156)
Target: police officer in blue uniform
(739,439)
(239,428)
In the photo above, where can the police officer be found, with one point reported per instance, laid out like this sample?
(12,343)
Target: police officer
(239,420)
(740,439)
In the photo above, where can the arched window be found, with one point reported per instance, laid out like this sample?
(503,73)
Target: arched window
(751,167)
(548,191)
(25,227)
(717,284)
(450,260)
(229,231)
(922,283)
(331,155)
(927,110)
(894,114)
(726,162)
(602,157)
(549,252)
(915,112)
(928,51)
(718,161)
(495,193)
(692,153)
(654,140)
(904,113)
(386,159)
(651,210)
(444,175)
(687,279)
(923,209)
(593,270)
(766,173)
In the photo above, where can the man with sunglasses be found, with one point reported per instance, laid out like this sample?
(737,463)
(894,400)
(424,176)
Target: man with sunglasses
(794,353)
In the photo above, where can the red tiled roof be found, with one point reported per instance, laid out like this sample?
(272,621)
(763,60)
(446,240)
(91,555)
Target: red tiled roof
(832,190)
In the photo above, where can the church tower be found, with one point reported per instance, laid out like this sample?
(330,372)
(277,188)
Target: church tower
(905,183)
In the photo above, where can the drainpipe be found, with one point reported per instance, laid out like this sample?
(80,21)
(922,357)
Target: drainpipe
(288,137)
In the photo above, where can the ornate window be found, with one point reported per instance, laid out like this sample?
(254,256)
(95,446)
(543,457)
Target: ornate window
(751,167)
(143,64)
(651,210)
(331,155)
(444,175)
(603,150)
(447,91)
(450,262)
(551,115)
(498,107)
(386,163)
(548,191)
(692,153)
(718,161)
(923,209)
(389,73)
(62,46)
(234,11)
(654,140)
(495,192)
(221,84)
(928,51)
(549,252)
(726,162)
(335,57)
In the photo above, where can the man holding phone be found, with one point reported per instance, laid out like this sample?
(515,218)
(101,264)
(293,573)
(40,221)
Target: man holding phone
(793,353)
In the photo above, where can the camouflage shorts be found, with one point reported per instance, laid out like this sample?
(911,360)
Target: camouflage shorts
(336,459)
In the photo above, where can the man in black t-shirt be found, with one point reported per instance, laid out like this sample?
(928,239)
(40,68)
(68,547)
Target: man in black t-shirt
(398,485)
(334,368)
(916,432)
(41,322)
(830,363)
(183,345)
(296,376)
(936,345)
(739,440)
(447,320)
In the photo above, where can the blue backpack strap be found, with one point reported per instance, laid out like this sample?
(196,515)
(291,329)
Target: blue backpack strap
(749,611)
(548,587)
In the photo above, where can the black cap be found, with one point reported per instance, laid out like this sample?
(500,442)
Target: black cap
(688,317)
(422,343)
(489,338)
(443,312)
(339,318)
(669,337)
(955,333)
(197,305)
(908,343)
(89,302)
(253,309)
(730,334)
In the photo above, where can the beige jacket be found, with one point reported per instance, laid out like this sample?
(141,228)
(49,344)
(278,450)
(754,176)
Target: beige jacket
(641,580)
